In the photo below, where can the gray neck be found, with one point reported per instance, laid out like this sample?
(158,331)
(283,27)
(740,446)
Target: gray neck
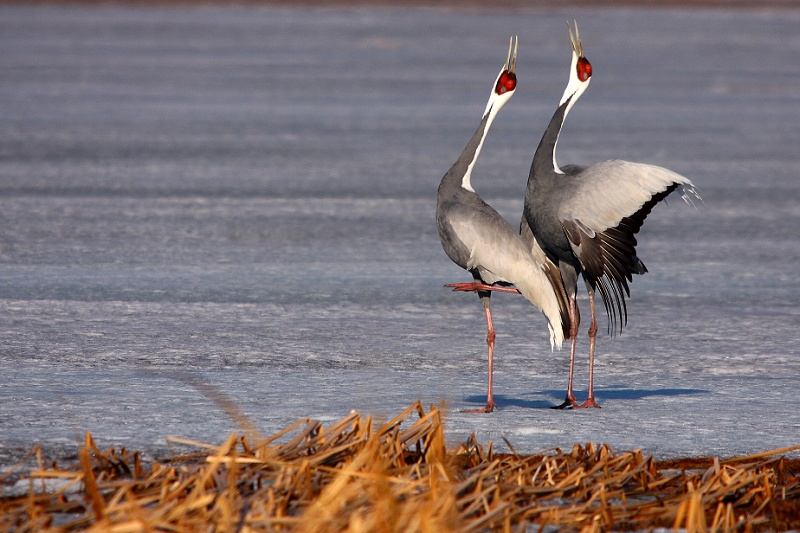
(454,177)
(544,159)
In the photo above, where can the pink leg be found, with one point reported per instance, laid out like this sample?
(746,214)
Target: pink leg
(475,286)
(490,336)
(571,401)
(590,402)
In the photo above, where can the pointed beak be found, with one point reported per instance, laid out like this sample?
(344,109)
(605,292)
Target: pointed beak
(577,45)
(511,61)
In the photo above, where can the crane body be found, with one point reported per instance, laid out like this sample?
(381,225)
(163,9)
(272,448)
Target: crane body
(478,239)
(585,219)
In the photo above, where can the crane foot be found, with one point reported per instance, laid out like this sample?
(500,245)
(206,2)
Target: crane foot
(488,408)
(588,403)
(570,403)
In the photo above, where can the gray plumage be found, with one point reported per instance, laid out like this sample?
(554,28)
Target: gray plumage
(586,220)
(478,239)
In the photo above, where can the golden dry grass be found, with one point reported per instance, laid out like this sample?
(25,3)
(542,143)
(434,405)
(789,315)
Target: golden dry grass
(357,477)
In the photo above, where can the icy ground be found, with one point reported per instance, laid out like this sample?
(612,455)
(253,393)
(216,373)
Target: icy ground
(247,195)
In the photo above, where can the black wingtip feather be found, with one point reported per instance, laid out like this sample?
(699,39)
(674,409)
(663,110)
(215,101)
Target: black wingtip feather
(610,261)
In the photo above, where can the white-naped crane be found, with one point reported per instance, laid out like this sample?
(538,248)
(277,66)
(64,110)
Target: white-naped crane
(482,242)
(586,218)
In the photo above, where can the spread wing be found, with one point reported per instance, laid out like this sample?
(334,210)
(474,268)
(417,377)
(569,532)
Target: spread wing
(601,217)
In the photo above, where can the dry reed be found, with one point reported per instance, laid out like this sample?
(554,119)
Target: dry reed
(354,476)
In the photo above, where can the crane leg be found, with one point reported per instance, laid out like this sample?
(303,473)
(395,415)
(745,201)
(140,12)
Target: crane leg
(490,336)
(590,401)
(571,401)
(477,286)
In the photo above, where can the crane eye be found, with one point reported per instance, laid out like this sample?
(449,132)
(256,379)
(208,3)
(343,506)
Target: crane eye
(584,69)
(507,82)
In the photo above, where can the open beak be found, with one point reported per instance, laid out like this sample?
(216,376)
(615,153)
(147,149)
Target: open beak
(577,45)
(511,62)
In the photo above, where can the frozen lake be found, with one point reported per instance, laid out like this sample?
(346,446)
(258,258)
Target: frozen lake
(247,195)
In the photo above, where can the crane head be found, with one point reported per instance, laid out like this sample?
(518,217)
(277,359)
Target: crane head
(583,69)
(580,73)
(507,79)
(506,82)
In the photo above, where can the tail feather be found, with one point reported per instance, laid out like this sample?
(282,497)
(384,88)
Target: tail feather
(541,284)
(537,287)
(554,277)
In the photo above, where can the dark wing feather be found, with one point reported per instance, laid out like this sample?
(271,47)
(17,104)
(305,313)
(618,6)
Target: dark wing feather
(609,259)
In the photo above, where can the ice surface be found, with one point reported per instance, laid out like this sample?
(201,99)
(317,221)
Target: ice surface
(247,195)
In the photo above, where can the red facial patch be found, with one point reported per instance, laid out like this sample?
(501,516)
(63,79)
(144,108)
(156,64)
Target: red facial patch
(584,69)
(507,82)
